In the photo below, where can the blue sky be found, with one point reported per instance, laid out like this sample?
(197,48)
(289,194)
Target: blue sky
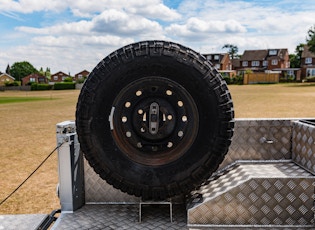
(71,35)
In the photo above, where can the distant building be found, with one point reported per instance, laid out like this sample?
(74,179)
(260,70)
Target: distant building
(307,63)
(34,78)
(4,77)
(81,75)
(236,63)
(58,77)
(262,60)
(221,61)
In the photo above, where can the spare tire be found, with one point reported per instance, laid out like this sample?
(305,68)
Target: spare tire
(154,119)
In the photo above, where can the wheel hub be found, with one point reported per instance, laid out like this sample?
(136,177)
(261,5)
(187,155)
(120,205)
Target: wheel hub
(155,120)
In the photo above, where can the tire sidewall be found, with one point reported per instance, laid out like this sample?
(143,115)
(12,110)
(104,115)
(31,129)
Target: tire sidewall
(100,91)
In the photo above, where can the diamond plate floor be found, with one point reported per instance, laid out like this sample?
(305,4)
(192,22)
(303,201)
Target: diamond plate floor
(123,216)
(21,221)
(255,194)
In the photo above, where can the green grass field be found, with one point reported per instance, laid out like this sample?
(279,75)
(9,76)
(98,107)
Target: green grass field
(5,100)
(28,134)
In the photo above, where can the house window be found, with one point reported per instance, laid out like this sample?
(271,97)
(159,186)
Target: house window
(63,78)
(32,79)
(217,66)
(209,57)
(272,52)
(290,73)
(308,60)
(255,63)
(274,62)
(245,63)
(56,78)
(216,57)
(310,72)
(80,76)
(265,63)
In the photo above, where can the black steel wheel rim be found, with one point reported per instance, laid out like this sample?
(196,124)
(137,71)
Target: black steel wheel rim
(154,120)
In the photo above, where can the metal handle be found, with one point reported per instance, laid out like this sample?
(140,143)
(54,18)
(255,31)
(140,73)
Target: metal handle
(265,140)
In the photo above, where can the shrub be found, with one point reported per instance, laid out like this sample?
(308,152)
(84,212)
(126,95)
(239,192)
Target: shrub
(227,79)
(310,79)
(81,80)
(14,83)
(36,86)
(64,85)
(68,79)
(238,80)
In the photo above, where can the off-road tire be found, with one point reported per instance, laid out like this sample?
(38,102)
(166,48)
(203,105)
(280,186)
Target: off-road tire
(155,119)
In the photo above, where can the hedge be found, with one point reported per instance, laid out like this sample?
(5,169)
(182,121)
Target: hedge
(238,80)
(310,79)
(64,85)
(36,86)
(14,83)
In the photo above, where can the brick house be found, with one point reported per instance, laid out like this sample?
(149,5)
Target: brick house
(34,77)
(4,77)
(221,61)
(58,77)
(236,64)
(289,74)
(307,63)
(81,75)
(262,60)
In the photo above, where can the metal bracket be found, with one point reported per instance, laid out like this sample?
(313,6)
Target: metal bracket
(167,202)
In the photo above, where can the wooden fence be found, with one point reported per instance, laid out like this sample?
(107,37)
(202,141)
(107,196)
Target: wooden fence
(256,78)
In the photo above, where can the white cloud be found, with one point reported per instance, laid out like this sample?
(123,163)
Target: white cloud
(111,25)
(118,22)
(97,27)
(198,28)
(73,42)
(80,27)
(154,9)
(29,6)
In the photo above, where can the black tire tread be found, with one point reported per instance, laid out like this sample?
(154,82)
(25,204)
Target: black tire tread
(214,83)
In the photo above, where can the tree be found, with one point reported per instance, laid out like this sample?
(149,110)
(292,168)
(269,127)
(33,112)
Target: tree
(7,70)
(295,59)
(41,71)
(47,72)
(310,39)
(233,50)
(21,69)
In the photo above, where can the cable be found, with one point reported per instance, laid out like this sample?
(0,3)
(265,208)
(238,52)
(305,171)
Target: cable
(31,174)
